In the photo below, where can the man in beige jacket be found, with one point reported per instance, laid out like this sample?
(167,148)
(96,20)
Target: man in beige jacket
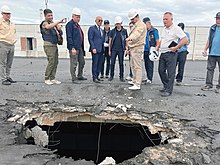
(136,42)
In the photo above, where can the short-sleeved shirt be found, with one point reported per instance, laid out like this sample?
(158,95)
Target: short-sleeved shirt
(184,47)
(172,33)
(48,32)
(215,49)
(117,44)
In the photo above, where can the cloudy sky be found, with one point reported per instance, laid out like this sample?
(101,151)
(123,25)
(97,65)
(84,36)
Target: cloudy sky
(191,12)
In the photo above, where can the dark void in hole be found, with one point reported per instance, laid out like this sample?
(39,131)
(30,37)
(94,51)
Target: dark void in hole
(96,141)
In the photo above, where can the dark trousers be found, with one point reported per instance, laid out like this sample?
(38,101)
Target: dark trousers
(149,66)
(167,69)
(130,74)
(120,55)
(97,60)
(211,64)
(181,60)
(107,58)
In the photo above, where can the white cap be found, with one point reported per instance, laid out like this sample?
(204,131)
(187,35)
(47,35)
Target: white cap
(76,11)
(118,19)
(132,13)
(5,9)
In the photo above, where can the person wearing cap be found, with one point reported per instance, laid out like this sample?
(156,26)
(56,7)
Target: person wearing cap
(213,44)
(75,45)
(152,40)
(117,45)
(182,55)
(168,48)
(7,45)
(136,42)
(96,41)
(107,58)
(50,36)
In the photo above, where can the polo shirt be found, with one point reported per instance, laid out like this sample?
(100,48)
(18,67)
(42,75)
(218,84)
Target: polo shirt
(7,32)
(215,49)
(172,33)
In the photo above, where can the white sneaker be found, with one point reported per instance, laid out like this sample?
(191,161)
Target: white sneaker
(135,87)
(48,82)
(149,82)
(131,82)
(55,81)
(129,78)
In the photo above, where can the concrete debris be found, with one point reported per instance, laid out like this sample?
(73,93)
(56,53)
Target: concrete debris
(216,142)
(14,118)
(40,137)
(150,100)
(122,107)
(108,161)
(175,141)
(128,106)
(205,159)
(27,133)
(130,98)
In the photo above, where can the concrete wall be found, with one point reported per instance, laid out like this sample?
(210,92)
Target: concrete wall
(198,38)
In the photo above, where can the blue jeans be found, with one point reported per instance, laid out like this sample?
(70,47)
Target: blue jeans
(120,55)
(96,64)
(149,66)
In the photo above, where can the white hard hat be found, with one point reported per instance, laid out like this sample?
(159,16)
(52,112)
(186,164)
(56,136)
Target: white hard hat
(76,11)
(118,19)
(153,55)
(5,9)
(132,13)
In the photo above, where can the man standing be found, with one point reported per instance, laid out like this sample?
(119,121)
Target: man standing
(117,44)
(75,45)
(136,42)
(182,55)
(152,40)
(96,41)
(107,58)
(168,47)
(213,44)
(7,42)
(50,34)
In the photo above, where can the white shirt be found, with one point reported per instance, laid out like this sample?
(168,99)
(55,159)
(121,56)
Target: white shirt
(172,33)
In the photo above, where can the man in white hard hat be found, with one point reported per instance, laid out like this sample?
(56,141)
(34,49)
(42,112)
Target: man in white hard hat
(117,45)
(50,34)
(75,45)
(136,42)
(7,42)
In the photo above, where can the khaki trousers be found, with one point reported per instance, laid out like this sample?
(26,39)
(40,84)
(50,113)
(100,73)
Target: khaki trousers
(136,64)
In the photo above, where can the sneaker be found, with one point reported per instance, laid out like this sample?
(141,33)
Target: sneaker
(106,76)
(6,82)
(135,87)
(217,90)
(178,83)
(206,88)
(131,82)
(148,82)
(48,82)
(144,80)
(11,80)
(55,81)
(82,78)
(129,78)
(110,79)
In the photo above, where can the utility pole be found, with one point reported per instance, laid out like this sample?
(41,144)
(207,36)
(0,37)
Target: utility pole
(46,2)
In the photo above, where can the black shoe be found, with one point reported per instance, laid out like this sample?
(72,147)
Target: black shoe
(96,81)
(102,76)
(99,79)
(74,82)
(10,80)
(122,79)
(110,79)
(6,82)
(165,94)
(162,90)
(82,78)
(106,76)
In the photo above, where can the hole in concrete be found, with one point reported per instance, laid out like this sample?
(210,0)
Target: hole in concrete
(98,140)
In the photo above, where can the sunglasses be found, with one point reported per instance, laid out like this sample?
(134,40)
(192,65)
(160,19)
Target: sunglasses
(100,20)
(6,13)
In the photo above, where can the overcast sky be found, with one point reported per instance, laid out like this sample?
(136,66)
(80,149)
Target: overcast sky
(191,12)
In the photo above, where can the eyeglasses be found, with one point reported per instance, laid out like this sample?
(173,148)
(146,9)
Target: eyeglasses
(6,13)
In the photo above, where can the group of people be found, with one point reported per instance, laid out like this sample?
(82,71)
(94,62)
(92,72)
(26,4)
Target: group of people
(108,44)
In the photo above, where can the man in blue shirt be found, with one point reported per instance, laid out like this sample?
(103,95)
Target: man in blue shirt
(152,40)
(181,58)
(213,44)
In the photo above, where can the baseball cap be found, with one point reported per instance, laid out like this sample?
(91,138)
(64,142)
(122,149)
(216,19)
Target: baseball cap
(146,19)
(218,15)
(181,25)
(106,22)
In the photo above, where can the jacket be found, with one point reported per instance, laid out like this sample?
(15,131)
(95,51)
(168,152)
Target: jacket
(96,40)
(124,35)
(73,36)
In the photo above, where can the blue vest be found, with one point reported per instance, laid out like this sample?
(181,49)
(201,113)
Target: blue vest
(211,36)
(51,36)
